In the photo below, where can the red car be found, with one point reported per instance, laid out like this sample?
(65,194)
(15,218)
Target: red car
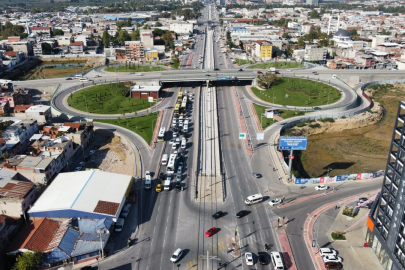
(259,72)
(211,232)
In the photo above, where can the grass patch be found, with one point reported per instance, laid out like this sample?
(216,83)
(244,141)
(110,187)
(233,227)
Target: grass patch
(143,125)
(338,235)
(348,211)
(299,92)
(241,61)
(134,68)
(112,98)
(278,65)
(269,121)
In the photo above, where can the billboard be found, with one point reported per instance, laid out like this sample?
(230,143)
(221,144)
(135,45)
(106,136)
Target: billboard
(338,178)
(293,143)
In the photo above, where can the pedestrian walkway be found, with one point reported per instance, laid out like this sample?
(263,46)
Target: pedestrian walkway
(281,227)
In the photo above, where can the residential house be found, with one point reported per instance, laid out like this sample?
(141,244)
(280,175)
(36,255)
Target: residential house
(120,54)
(41,30)
(41,113)
(21,46)
(20,133)
(134,50)
(65,40)
(19,97)
(19,110)
(76,47)
(315,53)
(80,133)
(15,195)
(151,54)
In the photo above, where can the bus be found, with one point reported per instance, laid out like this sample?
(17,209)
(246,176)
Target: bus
(180,96)
(177,110)
(171,166)
(161,135)
(184,104)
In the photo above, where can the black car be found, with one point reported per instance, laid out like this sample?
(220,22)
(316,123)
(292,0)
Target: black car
(257,175)
(69,79)
(218,215)
(216,68)
(240,69)
(86,158)
(263,258)
(178,186)
(242,213)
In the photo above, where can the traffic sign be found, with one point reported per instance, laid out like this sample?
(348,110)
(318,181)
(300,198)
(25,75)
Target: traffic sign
(260,136)
(242,136)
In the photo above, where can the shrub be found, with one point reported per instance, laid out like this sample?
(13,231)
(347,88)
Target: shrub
(315,125)
(348,211)
(338,235)
(329,119)
(343,117)
(301,124)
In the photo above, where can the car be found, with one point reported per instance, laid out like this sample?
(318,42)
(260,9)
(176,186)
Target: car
(242,213)
(211,232)
(69,79)
(217,69)
(321,187)
(158,187)
(97,76)
(327,252)
(78,169)
(92,152)
(288,69)
(147,175)
(333,265)
(249,258)
(277,72)
(362,200)
(139,74)
(174,146)
(125,210)
(331,258)
(259,72)
(207,75)
(177,140)
(257,175)
(263,258)
(275,201)
(176,255)
(178,186)
(82,163)
(240,69)
(218,215)
(172,141)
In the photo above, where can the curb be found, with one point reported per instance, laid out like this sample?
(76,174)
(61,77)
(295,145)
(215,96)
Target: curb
(242,122)
(285,244)
(259,127)
(155,131)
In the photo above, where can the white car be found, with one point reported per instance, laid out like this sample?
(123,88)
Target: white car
(78,169)
(174,135)
(288,69)
(92,152)
(327,252)
(321,187)
(82,163)
(147,175)
(139,74)
(249,258)
(177,141)
(176,255)
(172,141)
(97,76)
(276,201)
(332,259)
(174,146)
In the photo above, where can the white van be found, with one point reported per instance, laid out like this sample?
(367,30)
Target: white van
(84,80)
(164,159)
(78,76)
(277,260)
(119,225)
(254,199)
(183,143)
(334,76)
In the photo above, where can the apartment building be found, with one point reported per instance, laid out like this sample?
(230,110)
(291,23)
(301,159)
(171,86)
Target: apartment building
(134,50)
(20,133)
(386,221)
(151,54)
(263,49)
(41,113)
(315,53)
(76,47)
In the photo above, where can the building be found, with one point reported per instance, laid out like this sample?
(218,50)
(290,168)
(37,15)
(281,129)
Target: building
(314,53)
(181,28)
(134,50)
(80,133)
(76,47)
(21,46)
(41,113)
(140,91)
(386,230)
(342,35)
(151,54)
(16,98)
(65,40)
(264,49)
(86,194)
(20,133)
(15,195)
(147,40)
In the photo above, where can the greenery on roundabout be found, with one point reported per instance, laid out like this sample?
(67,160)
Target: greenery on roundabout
(298,92)
(277,65)
(134,68)
(142,125)
(266,122)
(110,98)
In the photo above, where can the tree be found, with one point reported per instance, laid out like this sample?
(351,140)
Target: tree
(123,36)
(323,42)
(301,42)
(158,24)
(167,38)
(29,261)
(285,35)
(353,32)
(135,35)
(46,48)
(106,39)
(58,32)
(267,79)
(314,14)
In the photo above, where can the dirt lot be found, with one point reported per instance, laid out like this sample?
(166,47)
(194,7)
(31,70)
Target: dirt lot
(115,155)
(358,149)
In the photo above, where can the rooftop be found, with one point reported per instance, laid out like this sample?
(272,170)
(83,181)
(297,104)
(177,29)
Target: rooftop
(38,108)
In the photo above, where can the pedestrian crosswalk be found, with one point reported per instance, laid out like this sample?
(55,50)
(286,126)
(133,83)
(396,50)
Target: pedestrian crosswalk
(191,265)
(221,247)
(272,216)
(255,237)
(217,249)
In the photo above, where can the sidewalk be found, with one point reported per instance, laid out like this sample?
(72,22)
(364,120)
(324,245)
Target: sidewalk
(285,244)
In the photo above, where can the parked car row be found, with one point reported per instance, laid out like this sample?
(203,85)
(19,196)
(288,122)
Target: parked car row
(330,258)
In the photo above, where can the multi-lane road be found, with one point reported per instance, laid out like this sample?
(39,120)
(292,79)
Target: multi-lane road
(176,219)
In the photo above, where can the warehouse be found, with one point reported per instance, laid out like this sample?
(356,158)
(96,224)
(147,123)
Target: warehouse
(89,194)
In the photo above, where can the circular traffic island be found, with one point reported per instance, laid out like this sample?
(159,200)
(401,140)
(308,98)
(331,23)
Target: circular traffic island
(298,92)
(110,98)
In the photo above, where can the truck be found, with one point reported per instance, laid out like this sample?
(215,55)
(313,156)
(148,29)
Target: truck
(272,69)
(166,185)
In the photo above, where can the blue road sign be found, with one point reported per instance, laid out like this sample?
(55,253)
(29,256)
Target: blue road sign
(293,143)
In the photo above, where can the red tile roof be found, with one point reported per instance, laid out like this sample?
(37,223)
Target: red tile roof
(72,125)
(34,236)
(2,218)
(19,108)
(108,208)
(77,43)
(10,53)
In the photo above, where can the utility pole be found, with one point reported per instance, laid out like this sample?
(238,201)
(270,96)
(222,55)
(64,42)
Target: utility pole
(208,258)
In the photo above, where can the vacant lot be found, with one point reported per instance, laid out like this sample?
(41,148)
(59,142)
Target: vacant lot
(241,61)
(356,150)
(112,98)
(134,68)
(298,92)
(277,65)
(143,125)
(269,121)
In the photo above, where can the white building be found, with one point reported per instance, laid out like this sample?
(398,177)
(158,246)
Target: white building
(20,132)
(41,113)
(181,28)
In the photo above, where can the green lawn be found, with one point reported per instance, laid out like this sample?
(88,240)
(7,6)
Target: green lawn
(134,68)
(112,98)
(241,61)
(279,65)
(299,92)
(143,125)
(269,121)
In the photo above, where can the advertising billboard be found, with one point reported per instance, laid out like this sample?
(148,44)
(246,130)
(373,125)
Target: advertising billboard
(293,143)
